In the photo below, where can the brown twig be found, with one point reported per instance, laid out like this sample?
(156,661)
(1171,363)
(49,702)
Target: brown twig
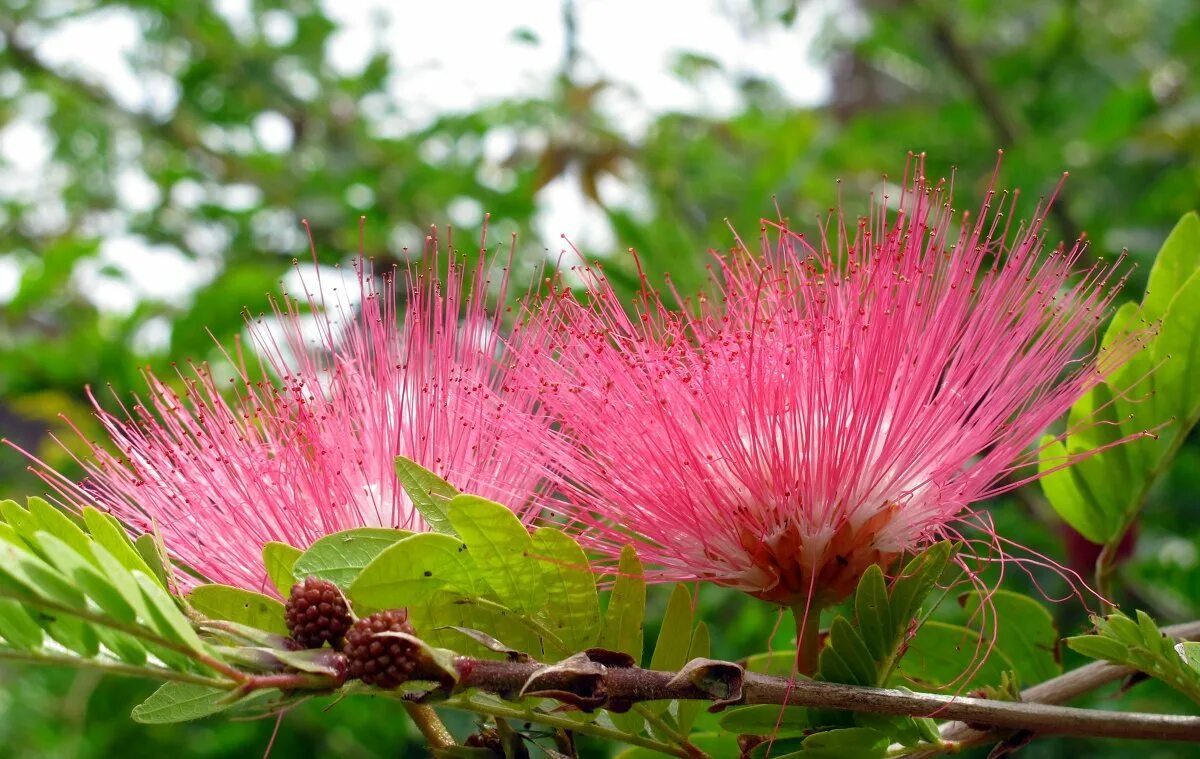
(587,683)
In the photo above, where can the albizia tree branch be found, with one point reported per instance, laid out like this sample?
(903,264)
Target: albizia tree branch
(588,683)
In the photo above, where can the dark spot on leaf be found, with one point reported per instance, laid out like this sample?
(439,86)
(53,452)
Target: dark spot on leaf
(428,573)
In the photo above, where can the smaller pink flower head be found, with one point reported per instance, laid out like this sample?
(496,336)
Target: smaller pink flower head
(827,405)
(309,448)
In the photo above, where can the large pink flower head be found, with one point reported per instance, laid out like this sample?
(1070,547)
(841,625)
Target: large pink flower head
(828,404)
(308,448)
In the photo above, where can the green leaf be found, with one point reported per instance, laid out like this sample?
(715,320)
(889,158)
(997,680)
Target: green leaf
(907,731)
(873,612)
(428,492)
(1157,388)
(339,557)
(501,547)
(624,621)
(166,616)
(572,603)
(73,633)
(1062,490)
(846,658)
(17,628)
(915,582)
(433,616)
(625,617)
(414,569)
(1140,644)
(1177,261)
(86,577)
(278,559)
(38,578)
(766,719)
(714,744)
(698,649)
(858,742)
(778,663)
(151,552)
(109,533)
(1024,631)
(126,647)
(941,653)
(670,650)
(237,605)
(1176,351)
(56,523)
(181,702)
(20,519)
(123,581)
(674,637)
(1099,647)
(1189,650)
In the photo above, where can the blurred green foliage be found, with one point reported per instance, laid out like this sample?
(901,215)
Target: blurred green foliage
(1106,91)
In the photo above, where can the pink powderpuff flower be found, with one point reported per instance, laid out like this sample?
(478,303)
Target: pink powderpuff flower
(311,450)
(828,405)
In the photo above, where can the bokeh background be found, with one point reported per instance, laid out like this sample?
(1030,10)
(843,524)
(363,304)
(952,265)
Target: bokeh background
(156,160)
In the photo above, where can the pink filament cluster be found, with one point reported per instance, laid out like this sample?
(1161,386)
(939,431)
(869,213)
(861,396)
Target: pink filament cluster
(308,448)
(829,404)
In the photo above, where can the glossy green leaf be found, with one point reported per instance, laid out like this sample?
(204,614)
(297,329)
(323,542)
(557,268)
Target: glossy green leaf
(278,560)
(237,605)
(339,557)
(415,568)
(1177,262)
(1158,389)
(572,603)
(1176,352)
(501,547)
(1062,490)
(428,493)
